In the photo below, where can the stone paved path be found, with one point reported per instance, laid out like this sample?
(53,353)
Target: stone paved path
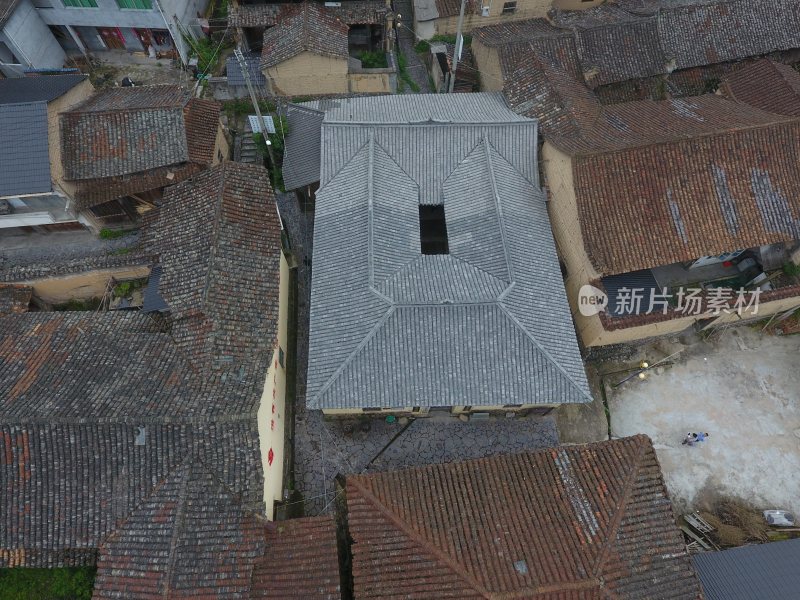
(406,40)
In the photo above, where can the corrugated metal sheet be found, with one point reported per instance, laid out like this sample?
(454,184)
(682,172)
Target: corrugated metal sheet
(622,289)
(302,154)
(762,572)
(43,88)
(24,155)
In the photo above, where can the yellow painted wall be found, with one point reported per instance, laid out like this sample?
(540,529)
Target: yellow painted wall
(221,146)
(369,83)
(82,286)
(77,94)
(487,61)
(272,411)
(308,74)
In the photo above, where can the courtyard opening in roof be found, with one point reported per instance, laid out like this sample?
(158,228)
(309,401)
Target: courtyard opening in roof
(433,230)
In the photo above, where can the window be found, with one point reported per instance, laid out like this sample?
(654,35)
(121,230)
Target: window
(432,230)
(509,7)
(371,409)
(281,357)
(80,3)
(137,4)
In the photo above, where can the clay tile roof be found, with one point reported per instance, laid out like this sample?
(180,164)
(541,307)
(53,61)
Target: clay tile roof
(300,561)
(683,178)
(574,522)
(129,406)
(541,90)
(451,8)
(14,299)
(354,12)
(200,117)
(221,278)
(631,39)
(190,538)
(129,140)
(767,85)
(307,27)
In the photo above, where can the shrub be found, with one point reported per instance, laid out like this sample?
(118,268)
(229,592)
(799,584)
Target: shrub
(47,584)
(373,60)
(111,234)
(422,47)
(791,269)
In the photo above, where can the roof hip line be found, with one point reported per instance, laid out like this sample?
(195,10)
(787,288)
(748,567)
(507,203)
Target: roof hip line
(617,519)
(355,352)
(457,568)
(541,348)
(498,209)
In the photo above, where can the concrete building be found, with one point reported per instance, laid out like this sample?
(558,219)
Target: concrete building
(436,284)
(39,34)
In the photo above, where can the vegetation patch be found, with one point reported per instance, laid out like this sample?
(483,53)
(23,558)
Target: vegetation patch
(79,305)
(112,234)
(373,60)
(405,78)
(241,107)
(277,146)
(47,584)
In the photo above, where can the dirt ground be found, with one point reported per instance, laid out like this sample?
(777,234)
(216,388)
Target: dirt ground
(742,387)
(109,68)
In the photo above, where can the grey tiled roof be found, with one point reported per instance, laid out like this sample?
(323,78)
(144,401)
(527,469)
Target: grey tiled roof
(487,323)
(352,12)
(24,155)
(488,107)
(99,408)
(43,88)
(750,572)
(301,163)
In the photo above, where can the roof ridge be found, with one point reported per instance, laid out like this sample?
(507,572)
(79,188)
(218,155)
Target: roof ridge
(439,554)
(544,352)
(623,505)
(214,232)
(180,511)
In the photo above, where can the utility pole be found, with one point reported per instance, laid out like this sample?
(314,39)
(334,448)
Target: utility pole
(246,74)
(459,46)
